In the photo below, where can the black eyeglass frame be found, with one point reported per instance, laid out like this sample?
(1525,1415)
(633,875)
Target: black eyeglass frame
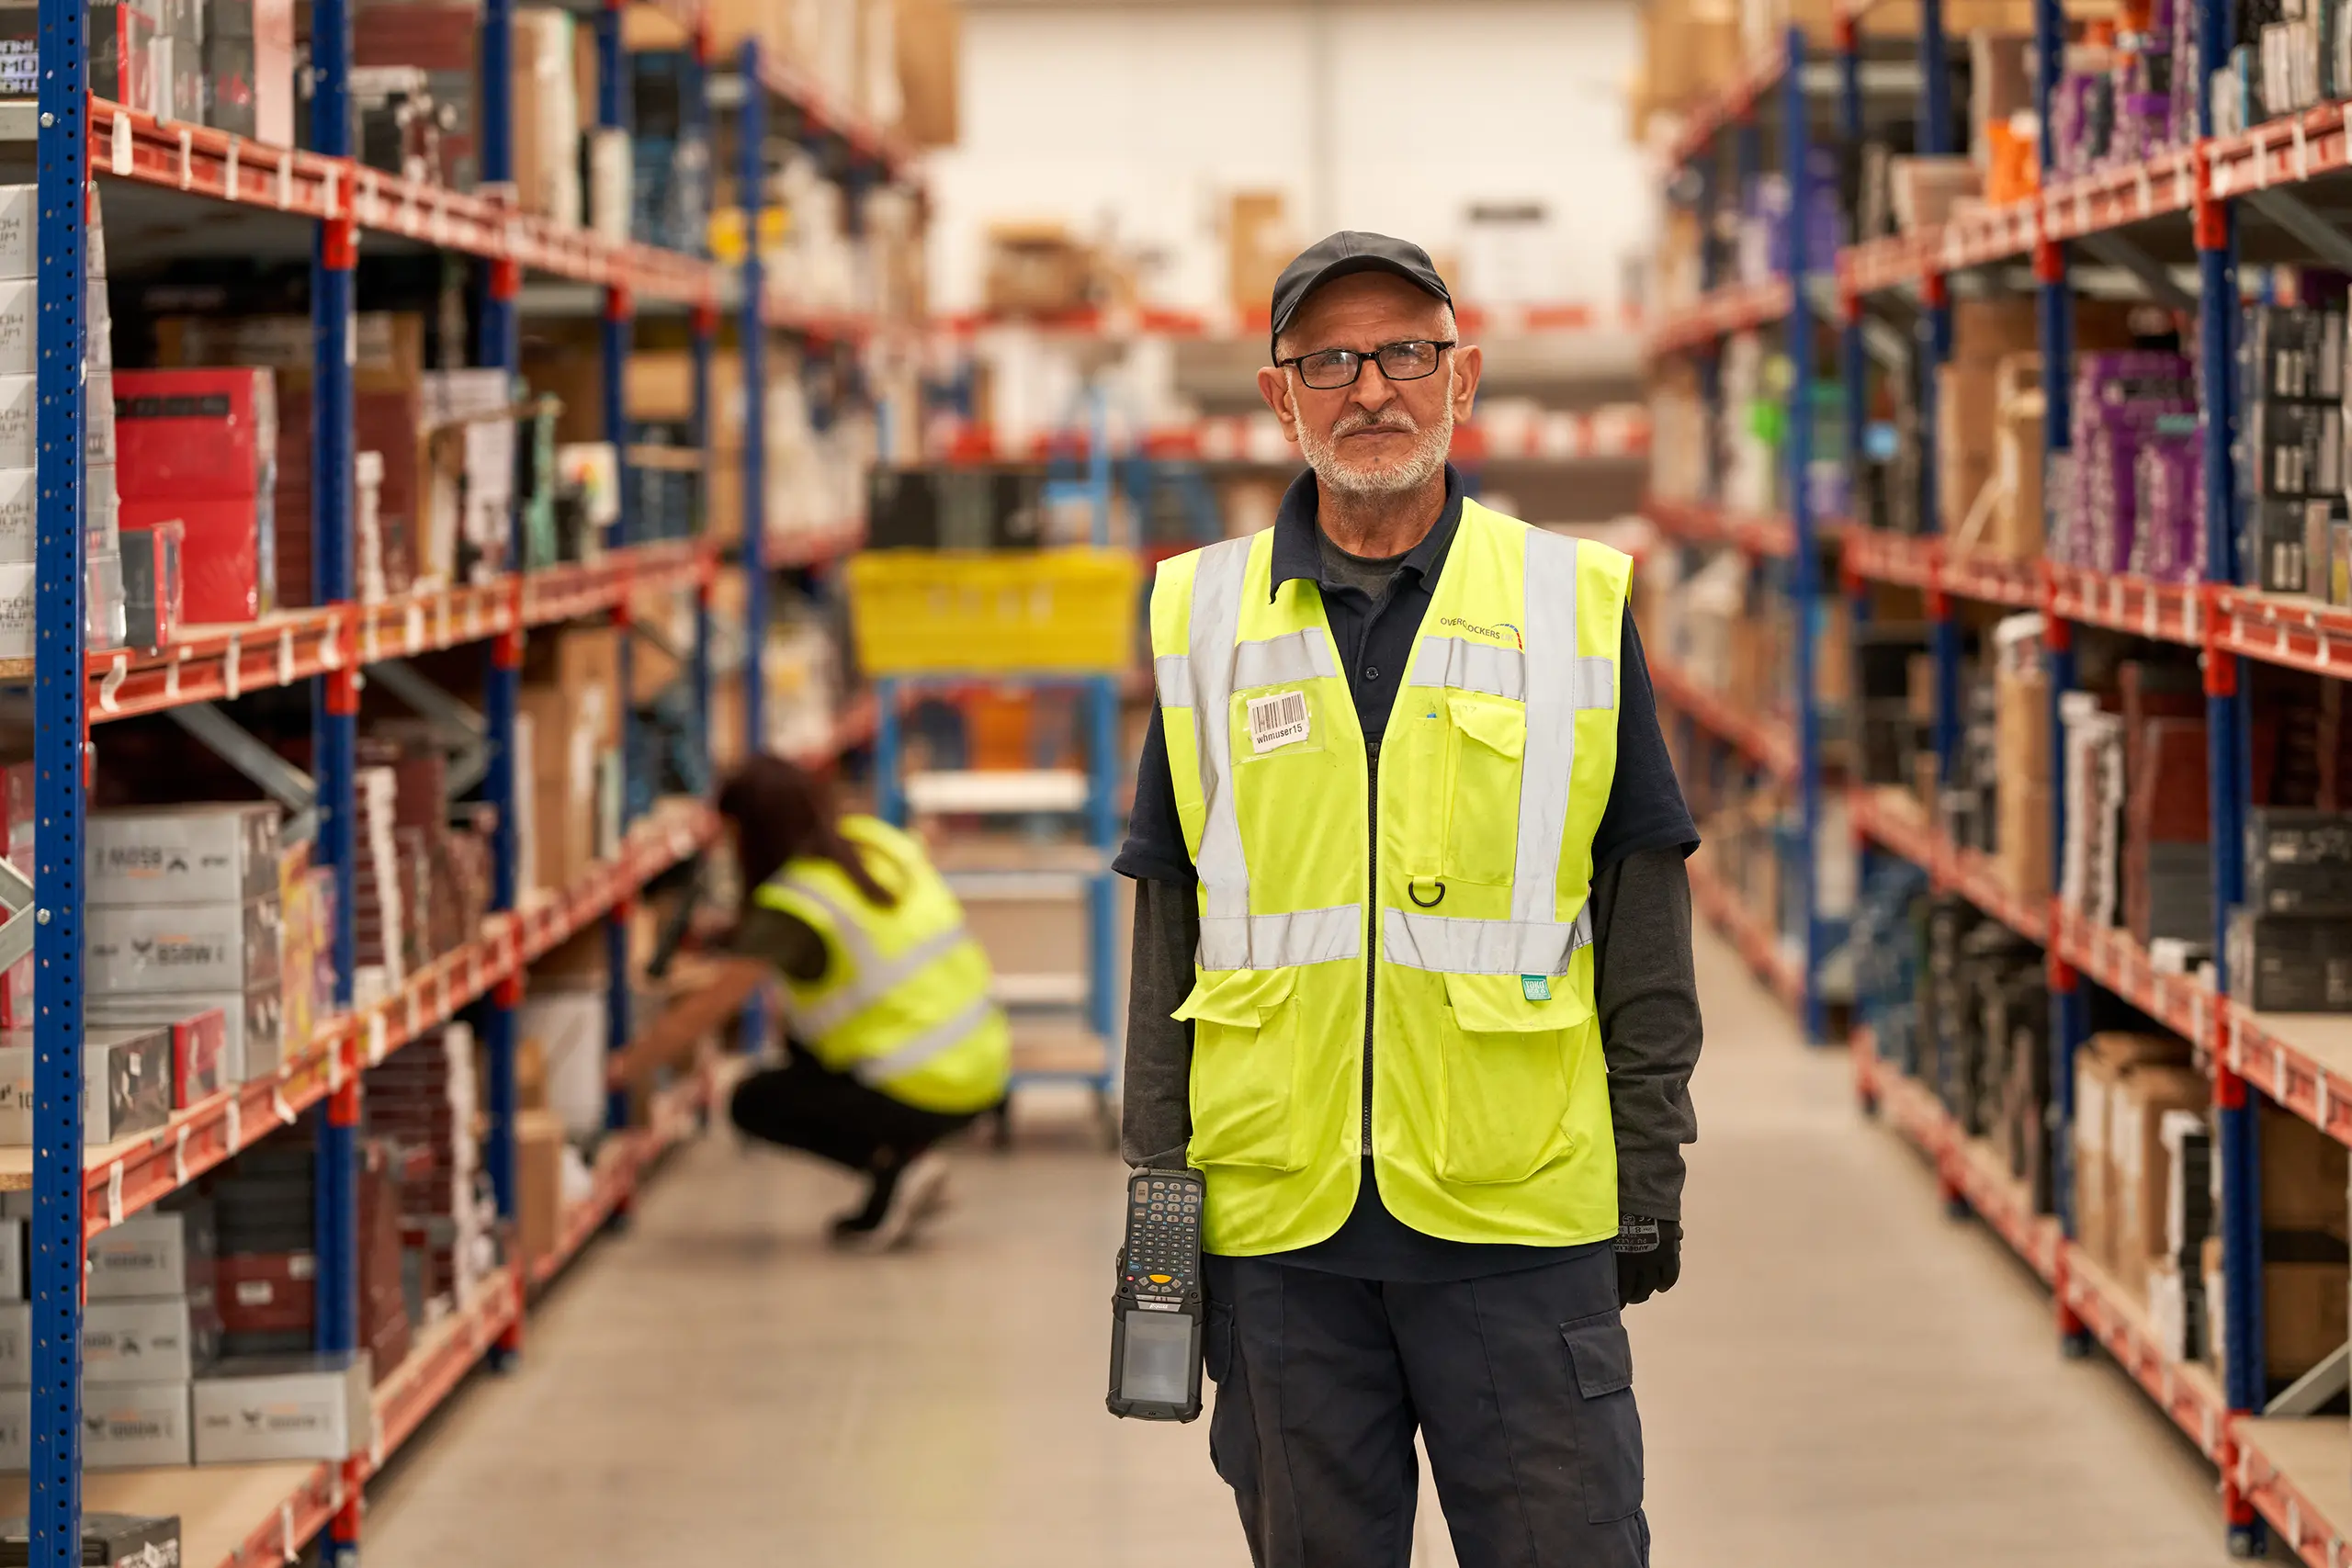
(1298,362)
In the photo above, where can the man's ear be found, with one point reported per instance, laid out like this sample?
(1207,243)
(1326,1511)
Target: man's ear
(1469,364)
(1273,384)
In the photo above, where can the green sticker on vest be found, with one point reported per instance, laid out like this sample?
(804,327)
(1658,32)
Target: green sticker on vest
(1537,987)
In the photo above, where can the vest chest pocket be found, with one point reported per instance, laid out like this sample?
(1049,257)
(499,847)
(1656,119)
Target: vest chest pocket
(1508,1071)
(1245,1057)
(1486,741)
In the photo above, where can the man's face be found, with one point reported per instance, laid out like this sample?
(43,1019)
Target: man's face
(1377,436)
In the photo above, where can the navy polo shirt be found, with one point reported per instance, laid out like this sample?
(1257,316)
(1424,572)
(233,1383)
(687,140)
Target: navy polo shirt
(1374,643)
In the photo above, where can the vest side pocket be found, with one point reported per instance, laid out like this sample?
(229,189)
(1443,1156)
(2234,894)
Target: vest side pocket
(1244,1056)
(1487,742)
(1507,1078)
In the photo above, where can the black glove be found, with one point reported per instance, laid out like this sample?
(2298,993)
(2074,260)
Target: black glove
(1649,1258)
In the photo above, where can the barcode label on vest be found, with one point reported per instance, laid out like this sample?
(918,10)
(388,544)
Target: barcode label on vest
(1277,721)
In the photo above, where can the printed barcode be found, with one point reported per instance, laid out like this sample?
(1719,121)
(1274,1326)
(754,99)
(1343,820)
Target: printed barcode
(1277,720)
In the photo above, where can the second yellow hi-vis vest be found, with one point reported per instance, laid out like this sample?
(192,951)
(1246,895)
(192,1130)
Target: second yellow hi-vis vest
(903,1005)
(1462,925)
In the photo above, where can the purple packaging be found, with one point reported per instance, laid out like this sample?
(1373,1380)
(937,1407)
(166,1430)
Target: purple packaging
(2120,400)
(2168,542)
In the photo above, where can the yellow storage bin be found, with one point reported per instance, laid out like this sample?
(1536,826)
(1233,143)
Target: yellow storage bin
(950,612)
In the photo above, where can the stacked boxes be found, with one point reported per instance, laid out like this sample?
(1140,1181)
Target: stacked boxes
(2021,752)
(2123,400)
(264,1209)
(104,620)
(187,915)
(2291,456)
(201,446)
(423,1103)
(380,903)
(2110,1223)
(149,1323)
(570,696)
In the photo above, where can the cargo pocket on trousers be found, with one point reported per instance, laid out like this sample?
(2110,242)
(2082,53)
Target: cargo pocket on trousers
(1608,1427)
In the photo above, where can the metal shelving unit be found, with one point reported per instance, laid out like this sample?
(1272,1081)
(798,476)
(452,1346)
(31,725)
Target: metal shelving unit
(267,1512)
(2274,191)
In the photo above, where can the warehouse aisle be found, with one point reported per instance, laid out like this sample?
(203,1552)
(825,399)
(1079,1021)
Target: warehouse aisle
(1841,1378)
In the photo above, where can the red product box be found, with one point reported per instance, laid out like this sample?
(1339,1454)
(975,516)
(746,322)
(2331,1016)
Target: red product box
(199,1057)
(266,1292)
(16,845)
(195,435)
(227,567)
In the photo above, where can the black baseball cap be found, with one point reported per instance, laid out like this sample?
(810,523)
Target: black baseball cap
(1351,250)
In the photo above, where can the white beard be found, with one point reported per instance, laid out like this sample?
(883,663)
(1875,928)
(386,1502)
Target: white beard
(1423,463)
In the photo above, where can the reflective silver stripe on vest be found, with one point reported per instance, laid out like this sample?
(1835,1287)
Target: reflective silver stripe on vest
(872,976)
(1172,673)
(1549,764)
(1482,947)
(873,982)
(1468,666)
(1216,621)
(926,1047)
(1286,659)
(1278,942)
(1596,679)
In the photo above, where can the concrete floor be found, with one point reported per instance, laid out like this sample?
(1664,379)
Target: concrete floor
(1842,1377)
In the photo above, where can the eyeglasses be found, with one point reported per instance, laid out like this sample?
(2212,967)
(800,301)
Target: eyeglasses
(1333,369)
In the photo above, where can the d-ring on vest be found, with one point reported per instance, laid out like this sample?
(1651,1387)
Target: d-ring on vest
(1489,1115)
(903,1005)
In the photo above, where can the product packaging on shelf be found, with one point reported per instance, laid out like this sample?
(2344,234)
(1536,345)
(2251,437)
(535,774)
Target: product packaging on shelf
(256,1410)
(252,1024)
(207,853)
(2299,862)
(2290,963)
(197,947)
(160,1253)
(148,1339)
(200,445)
(126,1091)
(134,1426)
(108,1540)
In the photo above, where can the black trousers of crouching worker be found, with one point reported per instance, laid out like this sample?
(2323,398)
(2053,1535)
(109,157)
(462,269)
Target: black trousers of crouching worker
(1521,1385)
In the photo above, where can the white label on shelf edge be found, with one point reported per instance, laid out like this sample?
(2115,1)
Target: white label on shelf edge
(228,171)
(232,670)
(285,1531)
(376,1033)
(285,181)
(187,168)
(415,626)
(2278,1072)
(2143,189)
(121,149)
(286,656)
(234,1115)
(278,1105)
(179,1156)
(331,644)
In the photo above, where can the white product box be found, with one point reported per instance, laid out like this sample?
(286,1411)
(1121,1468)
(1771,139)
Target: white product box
(264,1408)
(126,1083)
(17,518)
(18,316)
(160,1253)
(132,1426)
(97,417)
(106,610)
(183,854)
(17,400)
(16,588)
(101,510)
(14,1236)
(15,1430)
(154,1339)
(19,214)
(256,1045)
(16,1342)
(194,947)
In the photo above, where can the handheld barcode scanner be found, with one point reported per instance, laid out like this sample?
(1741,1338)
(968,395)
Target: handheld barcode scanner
(1159,1308)
(685,878)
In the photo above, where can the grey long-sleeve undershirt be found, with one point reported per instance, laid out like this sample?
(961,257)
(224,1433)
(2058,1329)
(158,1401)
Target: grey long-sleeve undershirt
(1646,994)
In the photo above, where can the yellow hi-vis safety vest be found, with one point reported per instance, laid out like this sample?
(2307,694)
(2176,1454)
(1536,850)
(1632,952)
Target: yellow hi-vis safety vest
(1462,925)
(903,1005)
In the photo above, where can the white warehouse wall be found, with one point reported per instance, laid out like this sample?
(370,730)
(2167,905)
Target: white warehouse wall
(1135,121)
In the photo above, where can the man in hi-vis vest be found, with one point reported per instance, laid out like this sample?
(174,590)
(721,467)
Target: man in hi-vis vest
(1412,981)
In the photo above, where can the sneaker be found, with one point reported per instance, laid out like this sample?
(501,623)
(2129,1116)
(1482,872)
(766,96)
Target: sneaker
(901,1200)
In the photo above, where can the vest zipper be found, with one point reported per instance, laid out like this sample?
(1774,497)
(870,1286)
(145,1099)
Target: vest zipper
(1371,923)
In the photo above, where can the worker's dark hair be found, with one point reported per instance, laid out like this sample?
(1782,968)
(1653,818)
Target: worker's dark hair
(782,812)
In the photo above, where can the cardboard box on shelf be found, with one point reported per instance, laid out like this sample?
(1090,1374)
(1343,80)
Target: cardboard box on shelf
(164,1252)
(223,854)
(2100,1071)
(252,1043)
(929,38)
(546,116)
(251,1411)
(2017,529)
(1259,243)
(192,947)
(132,1426)
(149,1339)
(126,1086)
(2303,1176)
(2140,1100)
(538,1164)
(1036,269)
(2303,1307)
